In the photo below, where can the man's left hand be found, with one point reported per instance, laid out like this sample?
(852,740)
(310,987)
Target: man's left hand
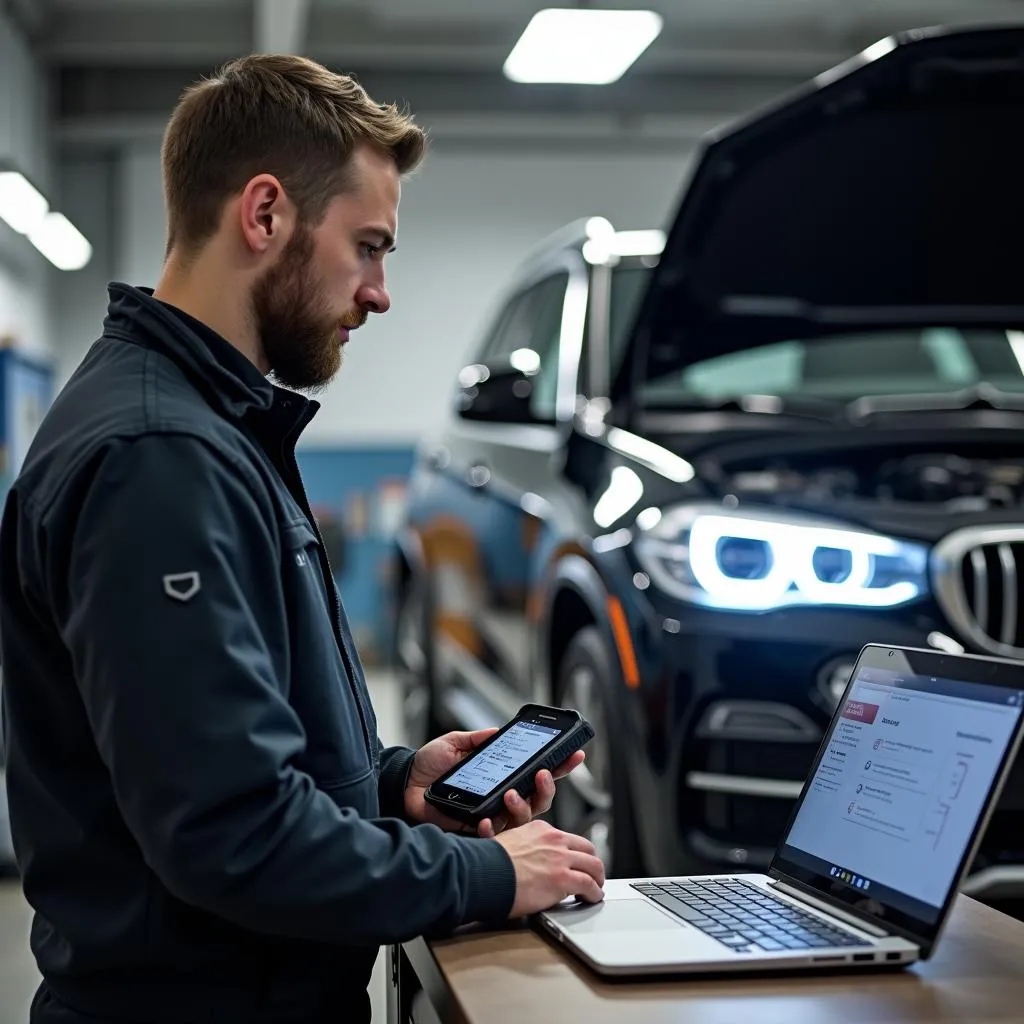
(442,754)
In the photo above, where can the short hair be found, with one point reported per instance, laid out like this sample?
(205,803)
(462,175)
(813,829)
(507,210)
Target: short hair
(274,114)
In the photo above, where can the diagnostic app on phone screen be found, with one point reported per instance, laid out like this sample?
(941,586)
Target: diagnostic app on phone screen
(494,764)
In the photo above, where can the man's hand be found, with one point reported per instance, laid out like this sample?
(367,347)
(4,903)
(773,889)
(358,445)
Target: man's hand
(442,754)
(551,865)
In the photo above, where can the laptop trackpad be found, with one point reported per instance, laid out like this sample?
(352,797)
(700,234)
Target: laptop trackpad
(613,916)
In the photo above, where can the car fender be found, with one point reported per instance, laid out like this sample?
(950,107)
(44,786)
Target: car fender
(575,571)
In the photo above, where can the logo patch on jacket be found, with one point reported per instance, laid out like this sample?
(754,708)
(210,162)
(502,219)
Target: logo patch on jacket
(182,586)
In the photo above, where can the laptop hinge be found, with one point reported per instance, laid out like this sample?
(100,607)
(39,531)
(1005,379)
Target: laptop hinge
(830,908)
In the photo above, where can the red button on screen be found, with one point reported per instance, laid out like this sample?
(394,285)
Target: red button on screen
(858,711)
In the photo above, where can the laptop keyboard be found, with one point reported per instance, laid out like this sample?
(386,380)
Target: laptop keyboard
(745,918)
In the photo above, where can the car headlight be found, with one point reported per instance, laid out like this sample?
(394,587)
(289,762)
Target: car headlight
(757,560)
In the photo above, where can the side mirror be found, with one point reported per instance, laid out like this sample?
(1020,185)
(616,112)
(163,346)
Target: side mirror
(499,391)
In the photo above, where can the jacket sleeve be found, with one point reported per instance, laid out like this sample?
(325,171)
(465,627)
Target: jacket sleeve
(395,765)
(194,727)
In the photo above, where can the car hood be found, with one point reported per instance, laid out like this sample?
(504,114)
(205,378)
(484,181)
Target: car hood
(886,192)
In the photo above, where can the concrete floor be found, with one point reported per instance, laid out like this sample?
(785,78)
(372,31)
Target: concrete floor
(18,975)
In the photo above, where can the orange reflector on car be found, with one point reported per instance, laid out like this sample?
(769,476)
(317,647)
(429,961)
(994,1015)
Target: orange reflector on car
(624,643)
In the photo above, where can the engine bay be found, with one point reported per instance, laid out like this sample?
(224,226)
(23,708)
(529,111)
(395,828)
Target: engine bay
(959,482)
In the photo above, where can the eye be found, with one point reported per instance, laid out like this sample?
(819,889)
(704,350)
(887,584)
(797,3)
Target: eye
(373,251)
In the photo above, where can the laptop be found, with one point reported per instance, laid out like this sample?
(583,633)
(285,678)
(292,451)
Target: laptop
(886,827)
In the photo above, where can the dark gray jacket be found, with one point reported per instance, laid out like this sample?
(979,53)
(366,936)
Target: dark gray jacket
(205,820)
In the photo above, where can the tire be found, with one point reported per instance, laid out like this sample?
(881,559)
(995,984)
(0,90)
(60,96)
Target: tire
(414,663)
(594,802)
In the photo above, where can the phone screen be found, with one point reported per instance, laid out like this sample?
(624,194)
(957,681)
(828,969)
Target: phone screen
(495,763)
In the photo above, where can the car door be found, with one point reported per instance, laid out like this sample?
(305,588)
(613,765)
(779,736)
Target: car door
(501,471)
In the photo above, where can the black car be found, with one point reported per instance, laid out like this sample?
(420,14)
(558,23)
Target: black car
(686,479)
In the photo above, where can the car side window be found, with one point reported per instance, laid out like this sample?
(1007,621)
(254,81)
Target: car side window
(546,302)
(532,323)
(494,346)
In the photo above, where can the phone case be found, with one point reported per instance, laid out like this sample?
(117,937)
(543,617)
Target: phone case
(522,781)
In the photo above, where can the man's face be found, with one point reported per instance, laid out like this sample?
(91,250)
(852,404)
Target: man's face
(328,279)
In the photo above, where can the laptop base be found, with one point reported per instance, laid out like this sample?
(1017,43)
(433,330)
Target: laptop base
(629,934)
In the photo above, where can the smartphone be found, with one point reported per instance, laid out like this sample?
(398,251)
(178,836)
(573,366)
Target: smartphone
(538,737)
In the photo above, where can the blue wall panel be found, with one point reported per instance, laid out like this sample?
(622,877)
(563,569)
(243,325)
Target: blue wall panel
(362,490)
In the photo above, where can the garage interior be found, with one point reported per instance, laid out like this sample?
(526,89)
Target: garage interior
(86,87)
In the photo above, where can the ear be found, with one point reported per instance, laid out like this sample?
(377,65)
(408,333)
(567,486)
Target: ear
(266,214)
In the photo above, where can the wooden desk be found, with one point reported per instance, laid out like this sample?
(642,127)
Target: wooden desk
(518,977)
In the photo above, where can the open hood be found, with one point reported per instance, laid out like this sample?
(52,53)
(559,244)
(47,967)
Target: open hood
(887,192)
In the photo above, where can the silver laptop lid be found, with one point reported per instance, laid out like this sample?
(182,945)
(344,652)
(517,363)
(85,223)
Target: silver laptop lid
(903,785)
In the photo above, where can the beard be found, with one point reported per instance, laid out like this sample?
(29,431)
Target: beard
(297,331)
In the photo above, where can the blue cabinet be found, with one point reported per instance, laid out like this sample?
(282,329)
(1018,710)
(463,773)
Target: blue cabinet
(26,391)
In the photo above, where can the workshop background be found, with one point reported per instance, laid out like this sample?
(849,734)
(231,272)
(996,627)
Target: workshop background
(86,87)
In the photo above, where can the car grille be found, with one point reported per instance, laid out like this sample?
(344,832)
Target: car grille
(979,582)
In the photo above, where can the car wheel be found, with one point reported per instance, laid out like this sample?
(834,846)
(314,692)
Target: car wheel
(594,800)
(412,644)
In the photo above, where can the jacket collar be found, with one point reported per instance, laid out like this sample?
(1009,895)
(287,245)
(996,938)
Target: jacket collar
(213,364)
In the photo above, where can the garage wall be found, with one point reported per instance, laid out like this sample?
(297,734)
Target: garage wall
(24,275)
(87,188)
(465,221)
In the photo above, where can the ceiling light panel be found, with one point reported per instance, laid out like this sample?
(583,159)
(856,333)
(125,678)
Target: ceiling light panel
(581,46)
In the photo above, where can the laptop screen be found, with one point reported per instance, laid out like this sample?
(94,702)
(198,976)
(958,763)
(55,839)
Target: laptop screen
(903,781)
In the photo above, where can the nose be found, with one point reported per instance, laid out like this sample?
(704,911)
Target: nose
(373,298)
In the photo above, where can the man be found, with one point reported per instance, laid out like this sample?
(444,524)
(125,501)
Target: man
(207,825)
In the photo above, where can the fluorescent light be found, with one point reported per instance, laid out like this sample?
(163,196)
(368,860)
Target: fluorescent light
(61,242)
(21,205)
(581,47)
(26,210)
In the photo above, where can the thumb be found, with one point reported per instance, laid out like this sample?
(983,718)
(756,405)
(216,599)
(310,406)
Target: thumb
(486,829)
(471,740)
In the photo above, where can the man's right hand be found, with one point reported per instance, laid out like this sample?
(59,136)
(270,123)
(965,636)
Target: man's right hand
(551,865)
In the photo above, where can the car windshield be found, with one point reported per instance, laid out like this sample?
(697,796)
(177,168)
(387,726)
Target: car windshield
(844,367)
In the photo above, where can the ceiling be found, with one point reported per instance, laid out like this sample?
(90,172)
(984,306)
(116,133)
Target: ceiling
(119,65)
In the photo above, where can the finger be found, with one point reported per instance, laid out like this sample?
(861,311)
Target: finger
(588,865)
(578,844)
(570,764)
(544,794)
(465,741)
(583,885)
(499,823)
(485,830)
(519,811)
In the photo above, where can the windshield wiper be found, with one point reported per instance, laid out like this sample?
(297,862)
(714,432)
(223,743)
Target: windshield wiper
(979,396)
